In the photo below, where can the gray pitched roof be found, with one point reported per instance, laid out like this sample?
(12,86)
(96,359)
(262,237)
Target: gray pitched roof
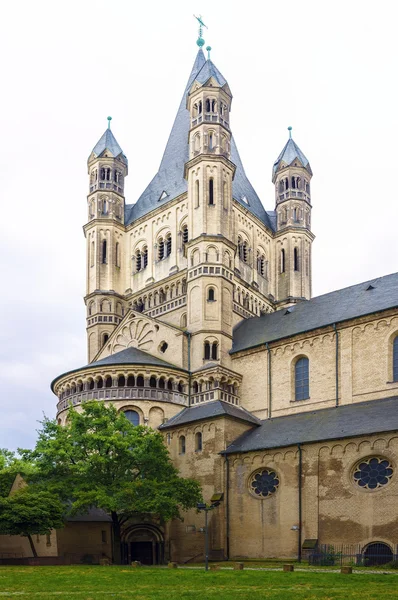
(92,515)
(108,142)
(288,154)
(337,306)
(130,356)
(170,176)
(364,418)
(209,410)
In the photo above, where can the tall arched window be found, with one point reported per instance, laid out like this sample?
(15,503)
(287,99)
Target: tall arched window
(211,191)
(144,257)
(214,351)
(395,359)
(198,442)
(168,245)
(160,249)
(132,416)
(152,382)
(211,141)
(181,444)
(138,262)
(225,195)
(140,381)
(207,350)
(184,232)
(130,381)
(104,257)
(283,261)
(302,379)
(211,295)
(296,259)
(105,339)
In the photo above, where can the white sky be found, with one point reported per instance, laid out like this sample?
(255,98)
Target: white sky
(329,69)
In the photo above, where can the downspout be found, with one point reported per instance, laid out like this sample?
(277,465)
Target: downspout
(269,381)
(337,363)
(188,334)
(227,506)
(300,472)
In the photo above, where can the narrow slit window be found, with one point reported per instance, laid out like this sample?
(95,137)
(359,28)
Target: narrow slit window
(214,351)
(207,351)
(160,249)
(198,442)
(301,379)
(395,360)
(211,295)
(296,259)
(283,261)
(104,256)
(211,191)
(181,443)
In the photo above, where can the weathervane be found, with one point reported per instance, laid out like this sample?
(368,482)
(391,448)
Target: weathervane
(200,41)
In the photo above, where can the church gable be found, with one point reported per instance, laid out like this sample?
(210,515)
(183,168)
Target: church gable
(148,335)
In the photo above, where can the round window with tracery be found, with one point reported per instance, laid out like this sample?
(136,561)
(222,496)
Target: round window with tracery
(373,473)
(264,483)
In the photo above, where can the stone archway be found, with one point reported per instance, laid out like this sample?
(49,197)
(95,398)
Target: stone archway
(377,553)
(144,543)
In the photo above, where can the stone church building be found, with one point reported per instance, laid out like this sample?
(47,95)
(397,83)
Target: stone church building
(200,322)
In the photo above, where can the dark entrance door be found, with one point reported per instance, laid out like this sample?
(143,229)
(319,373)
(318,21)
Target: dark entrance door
(142,551)
(378,554)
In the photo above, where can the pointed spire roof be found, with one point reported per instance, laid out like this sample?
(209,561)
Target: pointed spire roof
(108,142)
(289,153)
(170,177)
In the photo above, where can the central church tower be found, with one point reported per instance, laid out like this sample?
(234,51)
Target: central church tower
(209,173)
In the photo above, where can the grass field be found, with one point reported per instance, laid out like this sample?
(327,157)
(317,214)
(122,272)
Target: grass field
(98,583)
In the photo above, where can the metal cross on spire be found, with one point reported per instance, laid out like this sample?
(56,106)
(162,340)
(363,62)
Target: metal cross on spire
(290,131)
(200,41)
(109,122)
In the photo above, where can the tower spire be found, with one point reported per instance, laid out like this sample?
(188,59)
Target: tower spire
(200,41)
(109,122)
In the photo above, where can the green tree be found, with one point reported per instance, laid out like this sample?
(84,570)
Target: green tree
(100,459)
(30,512)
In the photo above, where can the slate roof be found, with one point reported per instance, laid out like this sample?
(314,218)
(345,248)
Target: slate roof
(170,176)
(335,307)
(92,515)
(364,418)
(108,142)
(209,410)
(130,356)
(288,154)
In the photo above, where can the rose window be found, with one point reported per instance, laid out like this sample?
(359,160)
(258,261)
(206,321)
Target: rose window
(264,483)
(373,473)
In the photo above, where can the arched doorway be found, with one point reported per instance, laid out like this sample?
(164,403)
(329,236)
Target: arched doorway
(377,553)
(144,543)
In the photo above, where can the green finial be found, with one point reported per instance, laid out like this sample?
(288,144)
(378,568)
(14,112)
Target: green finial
(200,41)
(208,48)
(290,131)
(109,122)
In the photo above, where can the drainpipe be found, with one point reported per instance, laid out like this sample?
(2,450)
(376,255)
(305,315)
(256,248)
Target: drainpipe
(300,472)
(227,506)
(189,335)
(269,381)
(337,363)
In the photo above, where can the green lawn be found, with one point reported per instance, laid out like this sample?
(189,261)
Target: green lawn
(98,583)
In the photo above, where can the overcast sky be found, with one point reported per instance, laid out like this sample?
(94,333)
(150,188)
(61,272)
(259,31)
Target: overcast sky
(329,69)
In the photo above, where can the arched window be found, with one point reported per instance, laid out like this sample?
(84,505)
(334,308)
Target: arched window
(181,444)
(144,256)
(301,379)
(214,351)
(138,262)
(213,106)
(104,257)
(105,339)
(100,383)
(117,255)
(207,350)
(195,387)
(140,381)
(198,442)
(132,416)
(225,195)
(395,359)
(211,295)
(211,191)
(183,320)
(197,193)
(211,141)
(152,382)
(161,383)
(170,385)
(130,381)
(200,107)
(92,254)
(283,261)
(160,249)
(296,259)
(105,207)
(184,232)
(108,382)
(121,382)
(168,245)
(208,105)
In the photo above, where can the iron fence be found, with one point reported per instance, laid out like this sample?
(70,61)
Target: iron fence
(372,555)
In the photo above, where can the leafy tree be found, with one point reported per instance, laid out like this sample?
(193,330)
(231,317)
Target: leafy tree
(100,459)
(30,512)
